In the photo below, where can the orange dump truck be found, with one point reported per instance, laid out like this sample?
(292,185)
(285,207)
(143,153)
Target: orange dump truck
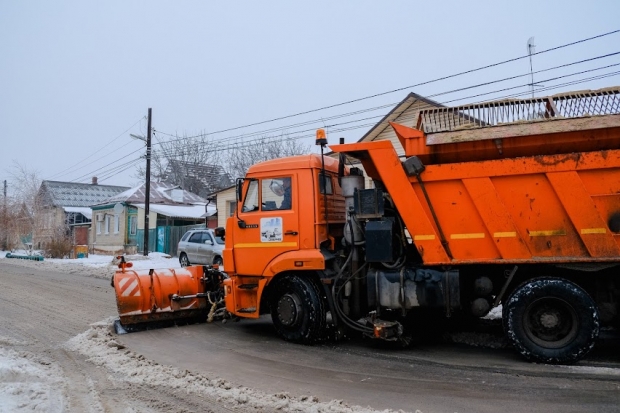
(511,202)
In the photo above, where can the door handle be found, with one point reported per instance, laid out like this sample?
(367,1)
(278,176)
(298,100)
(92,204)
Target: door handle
(291,233)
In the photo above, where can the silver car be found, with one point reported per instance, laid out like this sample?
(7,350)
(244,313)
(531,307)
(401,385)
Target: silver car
(200,246)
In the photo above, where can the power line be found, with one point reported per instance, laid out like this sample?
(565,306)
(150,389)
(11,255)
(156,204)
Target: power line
(114,173)
(370,109)
(89,174)
(283,128)
(254,141)
(67,170)
(416,85)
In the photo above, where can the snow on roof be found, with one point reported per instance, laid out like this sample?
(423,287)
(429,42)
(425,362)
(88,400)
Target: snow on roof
(181,211)
(86,211)
(162,193)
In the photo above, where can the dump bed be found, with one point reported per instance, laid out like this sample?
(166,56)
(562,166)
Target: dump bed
(569,122)
(544,197)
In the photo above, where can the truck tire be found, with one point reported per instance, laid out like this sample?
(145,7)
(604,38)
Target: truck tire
(297,310)
(551,320)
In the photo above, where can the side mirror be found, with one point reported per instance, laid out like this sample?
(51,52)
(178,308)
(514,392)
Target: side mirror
(209,242)
(220,231)
(239,189)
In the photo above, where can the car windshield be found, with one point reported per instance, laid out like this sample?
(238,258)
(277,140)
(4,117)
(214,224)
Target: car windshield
(219,240)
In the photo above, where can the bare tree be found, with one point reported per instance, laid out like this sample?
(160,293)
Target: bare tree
(241,156)
(190,162)
(24,211)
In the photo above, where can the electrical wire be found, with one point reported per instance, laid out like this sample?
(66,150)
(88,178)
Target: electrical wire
(215,141)
(70,169)
(415,85)
(302,134)
(89,174)
(110,175)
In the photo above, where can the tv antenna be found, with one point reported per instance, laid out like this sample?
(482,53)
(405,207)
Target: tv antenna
(531,49)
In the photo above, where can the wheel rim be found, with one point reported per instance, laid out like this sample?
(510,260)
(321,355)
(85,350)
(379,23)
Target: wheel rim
(184,261)
(290,310)
(551,322)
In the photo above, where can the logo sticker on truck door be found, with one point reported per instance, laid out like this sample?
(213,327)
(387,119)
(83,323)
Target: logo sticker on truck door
(271,229)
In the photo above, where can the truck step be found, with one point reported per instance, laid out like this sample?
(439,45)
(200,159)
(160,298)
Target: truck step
(247,310)
(247,286)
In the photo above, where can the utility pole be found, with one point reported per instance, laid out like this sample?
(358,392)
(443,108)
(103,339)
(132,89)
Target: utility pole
(147,195)
(5,222)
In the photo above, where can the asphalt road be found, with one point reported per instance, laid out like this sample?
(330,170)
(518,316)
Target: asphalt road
(429,378)
(45,308)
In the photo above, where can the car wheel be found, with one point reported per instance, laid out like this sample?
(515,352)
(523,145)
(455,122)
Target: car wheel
(218,261)
(183,260)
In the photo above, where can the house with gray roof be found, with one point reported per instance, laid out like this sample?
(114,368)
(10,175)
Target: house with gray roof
(118,221)
(67,205)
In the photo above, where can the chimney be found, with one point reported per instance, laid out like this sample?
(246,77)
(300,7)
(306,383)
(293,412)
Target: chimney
(94,180)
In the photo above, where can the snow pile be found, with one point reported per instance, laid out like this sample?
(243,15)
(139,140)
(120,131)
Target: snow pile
(101,266)
(495,313)
(103,349)
(28,383)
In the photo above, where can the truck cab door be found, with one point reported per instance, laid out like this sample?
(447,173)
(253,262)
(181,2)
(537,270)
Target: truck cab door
(268,223)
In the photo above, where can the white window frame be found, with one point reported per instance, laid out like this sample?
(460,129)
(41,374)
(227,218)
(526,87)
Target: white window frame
(98,227)
(117,224)
(107,224)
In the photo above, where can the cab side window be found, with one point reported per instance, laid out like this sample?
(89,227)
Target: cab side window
(276,194)
(325,184)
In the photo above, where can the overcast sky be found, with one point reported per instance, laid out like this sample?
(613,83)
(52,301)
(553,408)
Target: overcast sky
(77,77)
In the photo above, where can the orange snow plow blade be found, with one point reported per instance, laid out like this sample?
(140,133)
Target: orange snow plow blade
(146,296)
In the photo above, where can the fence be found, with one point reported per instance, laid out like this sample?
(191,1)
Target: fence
(164,239)
(566,105)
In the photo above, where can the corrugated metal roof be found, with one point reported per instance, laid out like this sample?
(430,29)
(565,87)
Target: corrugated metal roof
(71,194)
(161,193)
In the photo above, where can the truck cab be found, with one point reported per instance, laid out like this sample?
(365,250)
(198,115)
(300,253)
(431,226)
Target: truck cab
(284,211)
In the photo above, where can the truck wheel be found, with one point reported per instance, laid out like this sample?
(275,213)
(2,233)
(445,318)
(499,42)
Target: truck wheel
(551,320)
(183,260)
(297,310)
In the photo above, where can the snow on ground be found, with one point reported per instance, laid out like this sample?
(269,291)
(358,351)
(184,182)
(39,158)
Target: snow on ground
(27,382)
(99,345)
(95,265)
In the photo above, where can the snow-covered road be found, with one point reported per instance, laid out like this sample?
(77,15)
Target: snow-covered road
(58,354)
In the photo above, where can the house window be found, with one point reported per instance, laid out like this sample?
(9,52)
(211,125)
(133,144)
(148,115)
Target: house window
(98,227)
(117,224)
(133,225)
(232,206)
(107,224)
